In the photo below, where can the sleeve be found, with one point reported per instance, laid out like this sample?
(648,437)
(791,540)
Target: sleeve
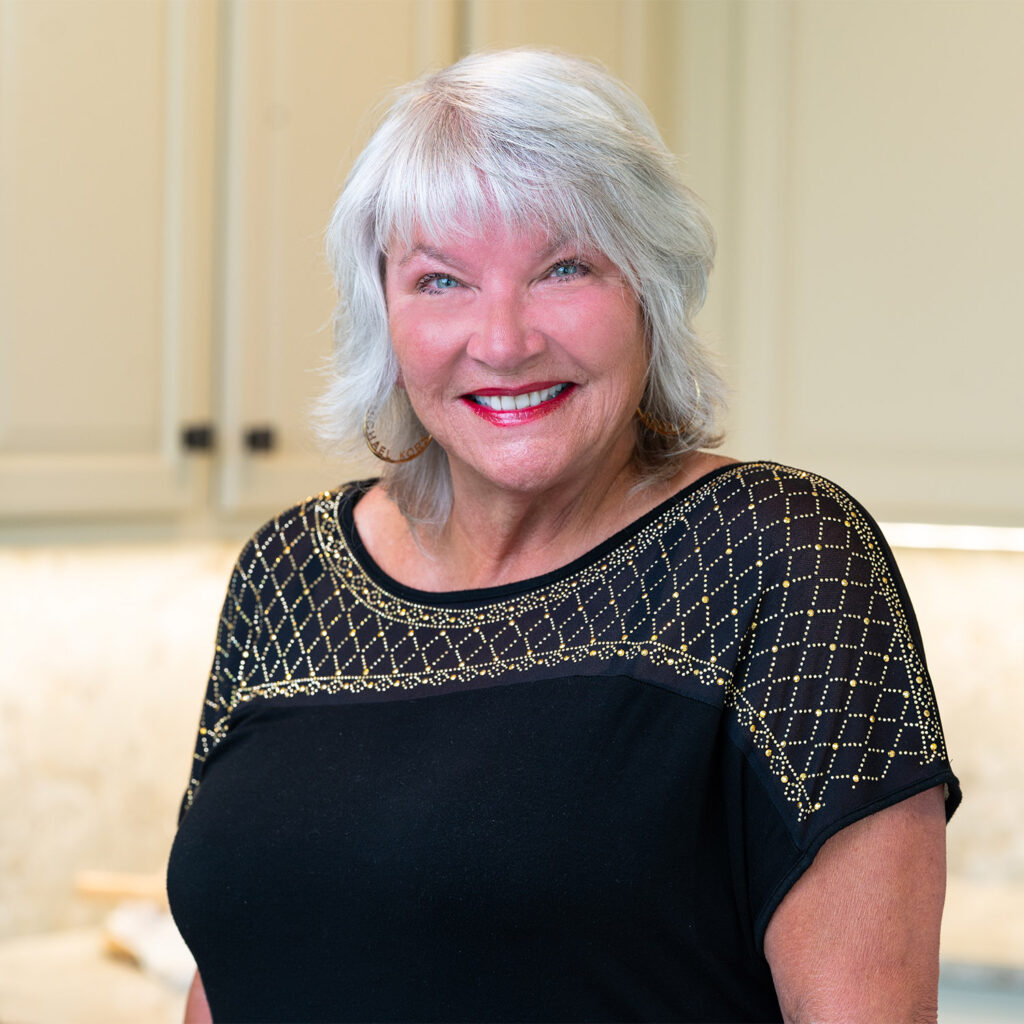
(833,708)
(234,662)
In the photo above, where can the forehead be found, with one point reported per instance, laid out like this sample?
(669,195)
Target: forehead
(493,236)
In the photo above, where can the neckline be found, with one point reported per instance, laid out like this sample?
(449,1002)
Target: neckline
(352,494)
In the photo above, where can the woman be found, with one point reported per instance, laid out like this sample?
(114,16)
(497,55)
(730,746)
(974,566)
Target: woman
(563,718)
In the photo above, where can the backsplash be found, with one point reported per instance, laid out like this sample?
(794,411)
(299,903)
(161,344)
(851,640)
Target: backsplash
(106,650)
(970,606)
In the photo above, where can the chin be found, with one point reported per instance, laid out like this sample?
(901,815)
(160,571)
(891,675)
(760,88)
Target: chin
(526,475)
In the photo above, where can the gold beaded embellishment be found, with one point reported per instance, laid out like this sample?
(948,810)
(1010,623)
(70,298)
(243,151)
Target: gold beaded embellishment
(764,590)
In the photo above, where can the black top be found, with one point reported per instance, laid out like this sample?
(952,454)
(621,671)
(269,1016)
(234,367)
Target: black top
(576,797)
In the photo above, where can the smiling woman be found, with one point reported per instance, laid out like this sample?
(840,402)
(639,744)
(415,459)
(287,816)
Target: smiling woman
(562,718)
(529,149)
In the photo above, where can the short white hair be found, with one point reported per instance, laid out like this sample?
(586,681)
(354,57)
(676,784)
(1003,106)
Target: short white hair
(535,137)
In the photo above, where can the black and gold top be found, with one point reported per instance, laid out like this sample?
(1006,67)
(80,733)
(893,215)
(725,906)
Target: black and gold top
(577,797)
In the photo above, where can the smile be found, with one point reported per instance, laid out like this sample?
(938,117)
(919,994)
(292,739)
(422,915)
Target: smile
(508,410)
(512,403)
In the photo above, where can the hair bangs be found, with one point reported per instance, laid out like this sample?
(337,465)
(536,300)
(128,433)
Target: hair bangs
(450,179)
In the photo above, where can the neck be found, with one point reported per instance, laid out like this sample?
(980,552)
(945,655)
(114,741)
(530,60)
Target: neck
(495,538)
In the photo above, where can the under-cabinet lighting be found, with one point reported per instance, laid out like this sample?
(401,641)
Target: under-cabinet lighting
(955,538)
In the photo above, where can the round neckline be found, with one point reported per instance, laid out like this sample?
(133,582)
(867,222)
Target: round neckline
(485,595)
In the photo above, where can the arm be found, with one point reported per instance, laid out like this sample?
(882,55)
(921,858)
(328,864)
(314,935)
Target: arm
(197,1009)
(857,937)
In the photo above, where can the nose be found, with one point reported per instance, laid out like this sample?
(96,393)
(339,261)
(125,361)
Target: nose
(502,337)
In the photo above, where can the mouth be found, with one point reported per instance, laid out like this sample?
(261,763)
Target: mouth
(514,403)
(508,408)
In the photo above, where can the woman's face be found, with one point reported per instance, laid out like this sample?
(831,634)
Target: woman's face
(523,358)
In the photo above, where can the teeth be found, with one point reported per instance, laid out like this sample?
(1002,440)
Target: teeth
(506,403)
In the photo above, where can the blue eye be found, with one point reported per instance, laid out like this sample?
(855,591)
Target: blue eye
(568,269)
(436,283)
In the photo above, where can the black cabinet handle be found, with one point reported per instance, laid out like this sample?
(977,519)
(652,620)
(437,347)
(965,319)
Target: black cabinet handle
(260,439)
(198,437)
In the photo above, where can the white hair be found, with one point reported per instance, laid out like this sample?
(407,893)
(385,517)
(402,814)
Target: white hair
(537,138)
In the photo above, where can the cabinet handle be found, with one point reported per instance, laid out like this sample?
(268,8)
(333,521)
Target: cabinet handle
(260,439)
(198,437)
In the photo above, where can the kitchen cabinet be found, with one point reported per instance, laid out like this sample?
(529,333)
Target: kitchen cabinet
(107,136)
(872,264)
(168,170)
(301,80)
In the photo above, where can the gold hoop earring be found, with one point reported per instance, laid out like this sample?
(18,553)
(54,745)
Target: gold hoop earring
(381,452)
(657,426)
(662,427)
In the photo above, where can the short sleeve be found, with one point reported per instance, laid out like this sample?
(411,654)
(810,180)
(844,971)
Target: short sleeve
(833,706)
(233,664)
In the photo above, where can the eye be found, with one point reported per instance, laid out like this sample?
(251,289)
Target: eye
(566,270)
(433,284)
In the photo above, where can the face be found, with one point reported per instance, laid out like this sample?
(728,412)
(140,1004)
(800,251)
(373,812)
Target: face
(523,358)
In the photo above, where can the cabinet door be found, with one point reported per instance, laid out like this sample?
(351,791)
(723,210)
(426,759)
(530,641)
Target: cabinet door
(106,150)
(874,314)
(301,80)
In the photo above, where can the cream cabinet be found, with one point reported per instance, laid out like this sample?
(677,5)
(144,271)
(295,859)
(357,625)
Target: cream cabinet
(871,262)
(107,142)
(300,82)
(167,168)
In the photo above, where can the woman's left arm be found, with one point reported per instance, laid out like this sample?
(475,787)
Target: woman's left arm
(856,939)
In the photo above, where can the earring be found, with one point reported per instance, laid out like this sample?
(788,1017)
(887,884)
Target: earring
(381,452)
(662,427)
(652,423)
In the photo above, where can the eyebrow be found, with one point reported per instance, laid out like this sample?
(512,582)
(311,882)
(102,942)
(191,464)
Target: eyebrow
(556,244)
(431,253)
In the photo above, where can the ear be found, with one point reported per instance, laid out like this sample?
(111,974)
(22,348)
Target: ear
(399,383)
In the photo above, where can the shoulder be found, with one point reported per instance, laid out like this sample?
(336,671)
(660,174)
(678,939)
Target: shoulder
(289,538)
(751,526)
(778,494)
(764,508)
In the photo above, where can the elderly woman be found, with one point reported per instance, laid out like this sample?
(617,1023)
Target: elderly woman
(562,718)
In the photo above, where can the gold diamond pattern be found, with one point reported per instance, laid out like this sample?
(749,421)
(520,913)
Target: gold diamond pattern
(765,590)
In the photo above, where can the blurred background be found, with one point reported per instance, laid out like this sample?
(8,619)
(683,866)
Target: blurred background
(167,168)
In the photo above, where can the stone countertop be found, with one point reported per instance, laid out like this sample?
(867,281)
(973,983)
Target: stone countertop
(69,976)
(983,925)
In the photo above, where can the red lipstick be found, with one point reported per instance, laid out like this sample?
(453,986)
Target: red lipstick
(516,417)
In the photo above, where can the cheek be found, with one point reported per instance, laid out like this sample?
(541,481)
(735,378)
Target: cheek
(619,344)
(607,328)
(407,345)
(419,357)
